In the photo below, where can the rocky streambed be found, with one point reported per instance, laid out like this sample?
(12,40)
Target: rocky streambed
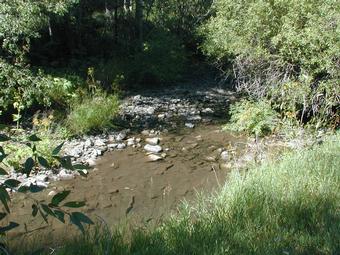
(170,148)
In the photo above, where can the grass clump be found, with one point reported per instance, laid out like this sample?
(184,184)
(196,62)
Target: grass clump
(286,207)
(253,118)
(93,113)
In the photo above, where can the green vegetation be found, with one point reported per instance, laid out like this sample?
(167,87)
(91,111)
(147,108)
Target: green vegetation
(286,207)
(256,118)
(284,50)
(35,160)
(92,113)
(64,64)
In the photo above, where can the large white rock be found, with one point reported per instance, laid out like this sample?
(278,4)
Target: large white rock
(153,148)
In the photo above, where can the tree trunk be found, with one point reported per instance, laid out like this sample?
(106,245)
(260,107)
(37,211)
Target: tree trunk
(139,23)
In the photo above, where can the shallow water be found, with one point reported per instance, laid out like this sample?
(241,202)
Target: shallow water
(126,187)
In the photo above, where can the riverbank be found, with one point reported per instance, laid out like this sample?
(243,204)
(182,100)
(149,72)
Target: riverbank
(285,207)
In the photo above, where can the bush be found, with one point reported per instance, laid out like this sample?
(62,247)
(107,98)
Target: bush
(273,43)
(256,118)
(93,113)
(28,88)
(286,207)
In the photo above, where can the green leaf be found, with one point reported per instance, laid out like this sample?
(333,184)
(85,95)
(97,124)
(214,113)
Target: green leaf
(9,227)
(4,197)
(12,183)
(75,204)
(28,166)
(81,167)
(66,163)
(60,215)
(57,149)
(75,221)
(43,215)
(35,188)
(82,218)
(3,171)
(34,138)
(23,189)
(4,138)
(57,198)
(34,210)
(3,155)
(43,162)
(2,215)
(82,173)
(47,210)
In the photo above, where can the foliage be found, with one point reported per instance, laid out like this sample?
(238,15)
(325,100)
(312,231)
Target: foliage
(19,152)
(286,207)
(22,88)
(180,17)
(21,21)
(162,60)
(275,43)
(92,113)
(33,163)
(256,118)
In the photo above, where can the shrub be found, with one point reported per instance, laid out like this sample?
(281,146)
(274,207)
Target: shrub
(253,118)
(273,43)
(27,88)
(93,113)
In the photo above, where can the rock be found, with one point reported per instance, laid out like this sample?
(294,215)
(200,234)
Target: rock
(145,132)
(194,118)
(41,178)
(130,141)
(120,137)
(161,116)
(121,146)
(52,193)
(152,141)
(153,148)
(189,125)
(88,142)
(91,162)
(224,156)
(99,143)
(112,145)
(75,151)
(42,184)
(150,110)
(210,159)
(63,175)
(207,110)
(153,157)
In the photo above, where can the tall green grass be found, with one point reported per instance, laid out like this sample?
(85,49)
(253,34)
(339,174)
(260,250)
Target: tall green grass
(287,207)
(92,113)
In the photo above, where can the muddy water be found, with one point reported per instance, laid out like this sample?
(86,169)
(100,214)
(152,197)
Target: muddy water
(125,187)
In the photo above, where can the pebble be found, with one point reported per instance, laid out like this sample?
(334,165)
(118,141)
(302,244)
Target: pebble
(224,156)
(121,146)
(152,141)
(52,193)
(153,157)
(120,137)
(189,125)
